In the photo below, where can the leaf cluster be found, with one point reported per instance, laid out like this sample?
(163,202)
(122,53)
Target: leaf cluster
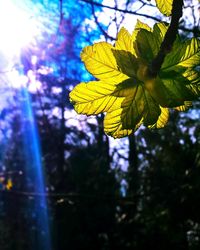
(126,91)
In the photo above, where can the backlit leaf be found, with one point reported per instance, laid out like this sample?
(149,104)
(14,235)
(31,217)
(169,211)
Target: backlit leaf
(183,55)
(184,107)
(140,25)
(101,63)
(113,125)
(159,31)
(133,107)
(95,97)
(125,54)
(162,119)
(125,91)
(148,41)
(165,6)
(193,78)
(145,45)
(152,109)
(177,87)
(124,41)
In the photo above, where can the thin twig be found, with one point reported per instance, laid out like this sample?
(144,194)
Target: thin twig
(61,12)
(98,24)
(122,10)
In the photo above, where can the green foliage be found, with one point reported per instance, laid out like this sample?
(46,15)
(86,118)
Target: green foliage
(126,91)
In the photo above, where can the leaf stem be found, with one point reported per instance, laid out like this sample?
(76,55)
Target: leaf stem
(169,38)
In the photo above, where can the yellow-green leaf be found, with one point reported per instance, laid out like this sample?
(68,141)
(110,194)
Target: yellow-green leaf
(177,89)
(126,92)
(162,119)
(138,106)
(148,41)
(140,25)
(184,107)
(96,97)
(164,92)
(184,55)
(113,125)
(124,41)
(146,46)
(152,109)
(159,31)
(193,83)
(125,54)
(133,107)
(101,63)
(165,6)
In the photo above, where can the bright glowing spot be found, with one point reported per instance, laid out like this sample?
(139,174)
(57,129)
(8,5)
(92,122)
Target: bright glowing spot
(43,70)
(33,84)
(34,59)
(17,28)
(16,80)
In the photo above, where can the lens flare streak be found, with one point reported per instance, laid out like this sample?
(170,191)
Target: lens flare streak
(35,177)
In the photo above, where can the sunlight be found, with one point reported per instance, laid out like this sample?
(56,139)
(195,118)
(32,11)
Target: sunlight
(17,28)
(34,167)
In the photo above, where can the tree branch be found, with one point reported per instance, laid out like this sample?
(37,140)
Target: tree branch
(195,30)
(121,10)
(98,24)
(169,38)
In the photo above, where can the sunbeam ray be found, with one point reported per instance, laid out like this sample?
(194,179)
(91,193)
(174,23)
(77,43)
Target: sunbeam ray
(35,176)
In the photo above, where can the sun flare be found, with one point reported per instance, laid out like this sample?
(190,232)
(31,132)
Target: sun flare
(17,27)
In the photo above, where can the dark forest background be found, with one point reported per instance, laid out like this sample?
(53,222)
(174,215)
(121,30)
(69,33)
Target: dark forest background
(141,192)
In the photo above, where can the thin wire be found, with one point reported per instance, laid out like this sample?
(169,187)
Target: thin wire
(66,196)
